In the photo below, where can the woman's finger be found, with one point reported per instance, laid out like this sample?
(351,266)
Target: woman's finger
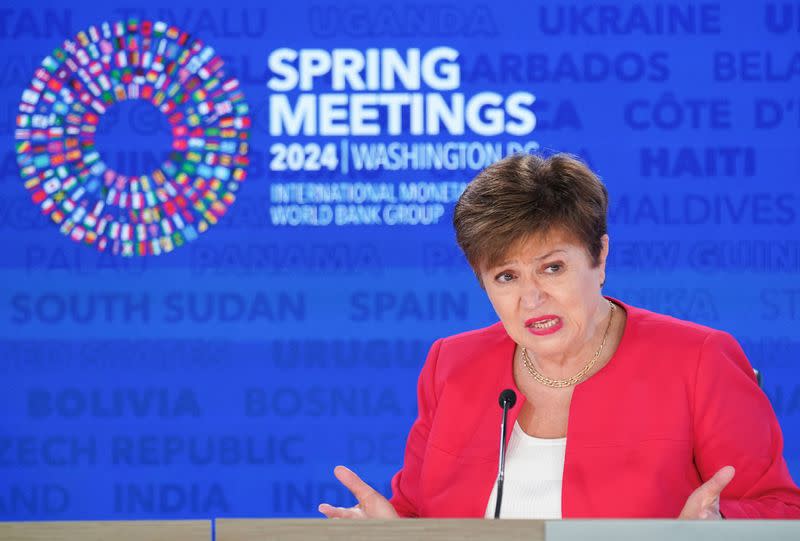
(714,486)
(371,503)
(353,482)
(340,512)
(720,480)
(703,503)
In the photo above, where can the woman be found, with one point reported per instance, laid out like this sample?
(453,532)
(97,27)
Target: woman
(621,412)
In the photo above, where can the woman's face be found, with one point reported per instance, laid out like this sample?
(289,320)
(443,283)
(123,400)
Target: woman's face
(547,295)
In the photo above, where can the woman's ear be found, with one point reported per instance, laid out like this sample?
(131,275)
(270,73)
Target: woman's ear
(479,276)
(601,260)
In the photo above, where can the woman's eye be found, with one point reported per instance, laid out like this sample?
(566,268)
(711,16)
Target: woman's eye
(553,268)
(504,277)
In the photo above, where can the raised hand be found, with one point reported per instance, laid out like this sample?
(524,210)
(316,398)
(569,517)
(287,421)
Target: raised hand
(703,503)
(370,502)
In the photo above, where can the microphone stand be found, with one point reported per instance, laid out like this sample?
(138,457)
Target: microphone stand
(507,400)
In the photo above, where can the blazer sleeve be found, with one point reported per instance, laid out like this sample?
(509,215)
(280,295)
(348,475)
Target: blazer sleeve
(734,424)
(405,484)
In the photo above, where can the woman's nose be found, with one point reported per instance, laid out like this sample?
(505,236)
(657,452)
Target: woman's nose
(532,295)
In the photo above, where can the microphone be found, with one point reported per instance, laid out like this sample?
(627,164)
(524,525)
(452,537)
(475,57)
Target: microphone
(507,400)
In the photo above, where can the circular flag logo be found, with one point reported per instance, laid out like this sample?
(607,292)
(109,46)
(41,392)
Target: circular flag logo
(64,172)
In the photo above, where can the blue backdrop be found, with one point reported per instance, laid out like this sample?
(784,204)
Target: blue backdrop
(225,228)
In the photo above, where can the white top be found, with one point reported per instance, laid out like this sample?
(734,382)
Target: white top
(534,470)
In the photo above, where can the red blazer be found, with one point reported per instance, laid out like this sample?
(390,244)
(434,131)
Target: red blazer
(676,402)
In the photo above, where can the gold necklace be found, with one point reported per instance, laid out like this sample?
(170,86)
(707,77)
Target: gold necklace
(560,383)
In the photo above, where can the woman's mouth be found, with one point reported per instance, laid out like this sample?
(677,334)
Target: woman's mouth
(544,325)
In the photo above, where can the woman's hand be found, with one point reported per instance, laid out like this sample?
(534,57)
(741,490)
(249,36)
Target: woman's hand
(370,503)
(703,503)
